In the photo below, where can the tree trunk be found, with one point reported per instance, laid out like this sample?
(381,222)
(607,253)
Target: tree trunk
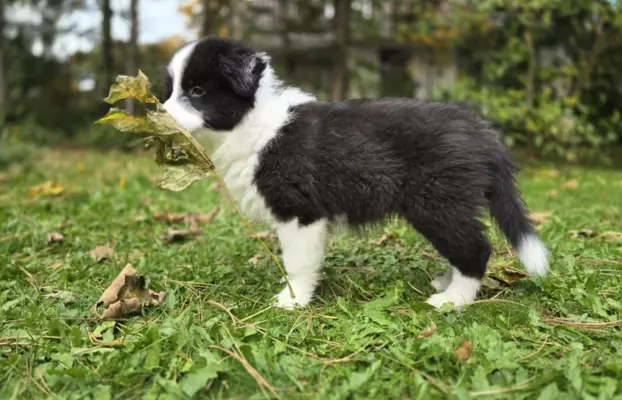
(235,19)
(106,50)
(132,51)
(286,47)
(4,95)
(206,19)
(342,38)
(532,69)
(586,72)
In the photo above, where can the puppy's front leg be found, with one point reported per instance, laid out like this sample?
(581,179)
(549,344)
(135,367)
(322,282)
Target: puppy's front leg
(303,253)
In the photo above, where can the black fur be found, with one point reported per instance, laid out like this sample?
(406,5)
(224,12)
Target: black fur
(220,81)
(435,165)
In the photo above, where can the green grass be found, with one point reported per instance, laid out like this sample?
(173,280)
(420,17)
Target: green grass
(368,334)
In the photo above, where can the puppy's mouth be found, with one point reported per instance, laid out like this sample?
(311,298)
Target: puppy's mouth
(185,115)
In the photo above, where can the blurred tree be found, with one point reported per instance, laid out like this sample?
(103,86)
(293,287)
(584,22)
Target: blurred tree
(286,46)
(209,17)
(107,58)
(4,96)
(132,50)
(342,42)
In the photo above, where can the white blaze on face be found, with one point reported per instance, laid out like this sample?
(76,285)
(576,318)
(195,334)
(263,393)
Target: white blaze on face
(177,105)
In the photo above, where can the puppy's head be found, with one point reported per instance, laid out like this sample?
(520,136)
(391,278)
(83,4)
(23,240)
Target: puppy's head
(211,83)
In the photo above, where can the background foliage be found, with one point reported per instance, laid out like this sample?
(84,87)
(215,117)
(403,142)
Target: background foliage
(546,71)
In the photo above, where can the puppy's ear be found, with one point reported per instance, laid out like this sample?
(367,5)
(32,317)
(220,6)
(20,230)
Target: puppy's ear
(243,71)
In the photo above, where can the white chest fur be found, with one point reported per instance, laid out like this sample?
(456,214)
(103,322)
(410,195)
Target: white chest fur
(238,174)
(237,156)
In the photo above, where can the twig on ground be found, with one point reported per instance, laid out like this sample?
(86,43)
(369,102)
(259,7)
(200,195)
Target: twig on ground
(582,325)
(537,351)
(261,381)
(494,300)
(520,386)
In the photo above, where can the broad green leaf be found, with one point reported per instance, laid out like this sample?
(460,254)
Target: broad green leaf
(153,357)
(64,358)
(127,87)
(551,392)
(197,380)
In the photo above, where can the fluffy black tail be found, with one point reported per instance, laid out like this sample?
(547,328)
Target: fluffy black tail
(511,215)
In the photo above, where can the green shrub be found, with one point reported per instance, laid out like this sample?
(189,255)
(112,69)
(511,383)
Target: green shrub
(556,127)
(13,149)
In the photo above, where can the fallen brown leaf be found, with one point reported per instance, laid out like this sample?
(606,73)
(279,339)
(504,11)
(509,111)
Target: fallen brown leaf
(207,218)
(253,260)
(110,294)
(549,173)
(101,253)
(64,296)
(571,184)
(463,353)
(136,255)
(611,235)
(56,266)
(552,193)
(169,217)
(50,188)
(55,238)
(177,235)
(540,216)
(427,332)
(127,293)
(264,235)
(506,274)
(583,233)
(386,239)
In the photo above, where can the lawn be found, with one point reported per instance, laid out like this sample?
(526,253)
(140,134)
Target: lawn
(367,335)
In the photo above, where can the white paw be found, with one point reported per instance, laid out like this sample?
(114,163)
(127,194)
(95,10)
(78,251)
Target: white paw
(437,300)
(441,282)
(303,294)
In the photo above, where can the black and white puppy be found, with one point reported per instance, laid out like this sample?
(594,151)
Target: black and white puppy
(301,165)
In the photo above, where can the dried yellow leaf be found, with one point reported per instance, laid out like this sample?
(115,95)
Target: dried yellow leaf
(184,157)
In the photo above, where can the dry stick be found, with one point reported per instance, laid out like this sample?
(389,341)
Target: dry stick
(517,387)
(29,376)
(234,319)
(256,314)
(537,351)
(583,325)
(252,231)
(45,384)
(494,300)
(263,384)
(344,359)
(437,384)
(9,237)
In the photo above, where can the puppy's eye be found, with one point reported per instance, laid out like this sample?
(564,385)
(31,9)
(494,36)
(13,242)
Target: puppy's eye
(197,91)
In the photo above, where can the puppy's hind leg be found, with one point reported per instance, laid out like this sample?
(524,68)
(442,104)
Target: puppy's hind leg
(463,243)
(303,253)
